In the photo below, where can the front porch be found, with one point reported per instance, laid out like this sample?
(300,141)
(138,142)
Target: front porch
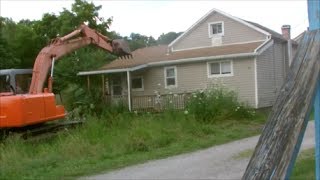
(127,87)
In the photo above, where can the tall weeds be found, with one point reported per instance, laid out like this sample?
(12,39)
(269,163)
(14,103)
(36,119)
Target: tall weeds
(217,104)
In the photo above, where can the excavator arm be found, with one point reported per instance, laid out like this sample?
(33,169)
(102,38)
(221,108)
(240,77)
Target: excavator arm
(67,44)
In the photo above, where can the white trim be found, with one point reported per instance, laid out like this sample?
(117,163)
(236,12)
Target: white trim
(138,67)
(142,85)
(201,47)
(112,70)
(175,77)
(256,82)
(264,46)
(210,29)
(219,75)
(225,14)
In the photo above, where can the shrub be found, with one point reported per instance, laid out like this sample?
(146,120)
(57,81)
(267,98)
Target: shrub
(217,104)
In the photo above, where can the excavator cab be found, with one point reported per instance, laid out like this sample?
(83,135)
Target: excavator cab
(15,81)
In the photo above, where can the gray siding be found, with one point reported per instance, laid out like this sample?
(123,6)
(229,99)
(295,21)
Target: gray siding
(241,82)
(193,76)
(234,32)
(271,72)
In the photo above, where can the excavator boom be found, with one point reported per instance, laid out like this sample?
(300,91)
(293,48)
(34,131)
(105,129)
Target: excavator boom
(65,45)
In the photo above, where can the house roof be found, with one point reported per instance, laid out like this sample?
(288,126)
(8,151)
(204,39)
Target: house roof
(159,54)
(299,37)
(273,33)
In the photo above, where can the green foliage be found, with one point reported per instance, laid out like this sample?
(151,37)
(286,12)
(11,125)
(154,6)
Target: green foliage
(137,41)
(217,104)
(168,37)
(20,42)
(109,143)
(7,59)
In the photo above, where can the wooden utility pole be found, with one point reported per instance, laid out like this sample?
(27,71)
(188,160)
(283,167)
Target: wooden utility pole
(280,141)
(314,24)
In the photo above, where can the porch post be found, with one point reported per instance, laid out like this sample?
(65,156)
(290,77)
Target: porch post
(129,90)
(88,82)
(103,86)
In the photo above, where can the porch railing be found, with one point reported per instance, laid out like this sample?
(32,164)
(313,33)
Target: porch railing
(152,103)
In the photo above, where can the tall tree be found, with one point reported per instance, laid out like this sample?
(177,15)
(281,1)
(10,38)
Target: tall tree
(7,60)
(137,41)
(168,37)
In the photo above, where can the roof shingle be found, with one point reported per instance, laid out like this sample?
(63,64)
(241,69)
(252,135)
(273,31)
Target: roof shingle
(160,53)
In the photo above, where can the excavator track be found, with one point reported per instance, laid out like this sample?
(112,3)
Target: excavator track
(38,132)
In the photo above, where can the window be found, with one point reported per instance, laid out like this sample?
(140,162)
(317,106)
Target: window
(5,83)
(216,29)
(23,82)
(116,86)
(137,83)
(223,68)
(170,76)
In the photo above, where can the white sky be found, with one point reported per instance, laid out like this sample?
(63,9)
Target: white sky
(152,18)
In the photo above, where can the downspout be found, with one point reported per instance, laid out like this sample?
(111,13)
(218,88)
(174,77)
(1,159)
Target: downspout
(290,51)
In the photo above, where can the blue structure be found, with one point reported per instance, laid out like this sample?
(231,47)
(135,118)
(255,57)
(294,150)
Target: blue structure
(314,24)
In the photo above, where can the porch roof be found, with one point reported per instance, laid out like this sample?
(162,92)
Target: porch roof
(160,55)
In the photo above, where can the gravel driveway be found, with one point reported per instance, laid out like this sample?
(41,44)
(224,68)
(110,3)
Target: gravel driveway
(218,162)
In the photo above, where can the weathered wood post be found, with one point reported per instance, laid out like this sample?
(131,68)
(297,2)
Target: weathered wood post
(280,141)
(314,23)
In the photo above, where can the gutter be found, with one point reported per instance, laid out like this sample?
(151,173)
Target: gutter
(160,63)
(199,59)
(269,39)
(112,70)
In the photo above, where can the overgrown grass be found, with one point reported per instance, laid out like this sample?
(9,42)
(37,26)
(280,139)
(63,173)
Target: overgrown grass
(115,138)
(305,166)
(216,104)
(110,143)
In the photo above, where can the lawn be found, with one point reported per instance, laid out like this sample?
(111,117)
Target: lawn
(103,144)
(305,166)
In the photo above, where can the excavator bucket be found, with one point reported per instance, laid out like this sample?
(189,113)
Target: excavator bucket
(121,48)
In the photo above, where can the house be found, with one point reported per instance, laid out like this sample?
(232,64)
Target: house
(219,48)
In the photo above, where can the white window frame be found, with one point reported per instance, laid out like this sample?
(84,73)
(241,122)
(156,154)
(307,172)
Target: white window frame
(211,35)
(142,83)
(219,75)
(175,77)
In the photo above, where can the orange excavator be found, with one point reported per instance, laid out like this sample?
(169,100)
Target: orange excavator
(38,105)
